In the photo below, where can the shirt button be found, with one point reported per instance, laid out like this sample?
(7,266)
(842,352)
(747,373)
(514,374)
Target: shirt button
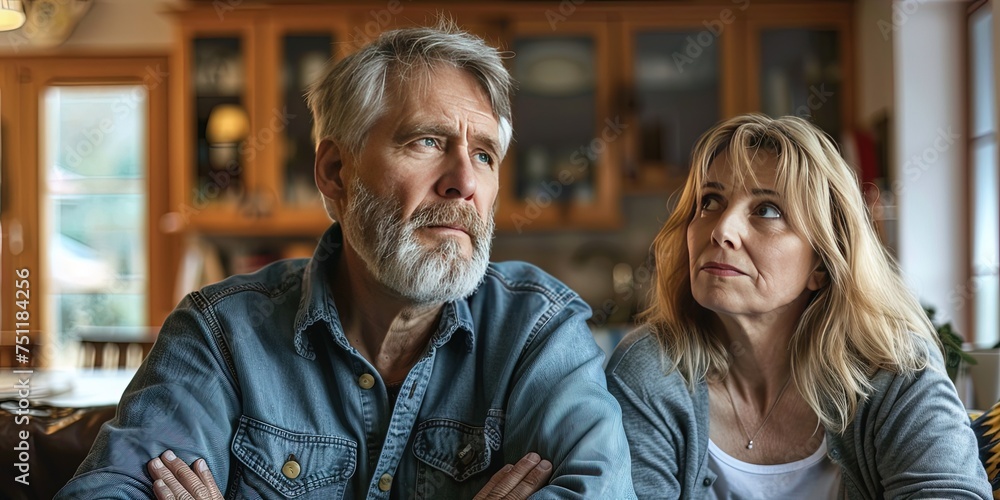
(366,381)
(291,469)
(467,454)
(707,482)
(385,482)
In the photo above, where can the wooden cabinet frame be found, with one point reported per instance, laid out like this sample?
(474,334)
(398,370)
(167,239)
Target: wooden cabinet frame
(299,219)
(603,213)
(196,204)
(610,24)
(731,68)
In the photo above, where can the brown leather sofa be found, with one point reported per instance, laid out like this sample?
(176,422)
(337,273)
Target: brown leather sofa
(58,441)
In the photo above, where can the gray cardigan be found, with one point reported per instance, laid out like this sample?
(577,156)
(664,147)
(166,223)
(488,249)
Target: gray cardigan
(910,439)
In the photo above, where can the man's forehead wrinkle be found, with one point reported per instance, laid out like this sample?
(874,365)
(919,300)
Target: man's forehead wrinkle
(421,119)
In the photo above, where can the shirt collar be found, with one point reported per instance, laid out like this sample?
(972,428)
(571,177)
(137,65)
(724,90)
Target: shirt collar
(316,303)
(455,316)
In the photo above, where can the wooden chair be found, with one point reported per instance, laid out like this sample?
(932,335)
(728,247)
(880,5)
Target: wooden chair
(115,347)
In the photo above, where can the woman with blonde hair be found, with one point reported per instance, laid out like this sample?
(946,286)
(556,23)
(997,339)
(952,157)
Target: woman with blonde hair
(782,355)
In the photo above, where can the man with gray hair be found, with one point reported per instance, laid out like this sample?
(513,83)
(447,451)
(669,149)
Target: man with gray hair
(398,362)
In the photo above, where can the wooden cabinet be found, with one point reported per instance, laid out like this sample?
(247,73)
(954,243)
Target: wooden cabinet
(253,62)
(211,67)
(296,48)
(681,75)
(801,63)
(687,67)
(563,168)
(611,98)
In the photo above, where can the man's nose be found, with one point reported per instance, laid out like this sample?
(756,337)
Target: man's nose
(459,177)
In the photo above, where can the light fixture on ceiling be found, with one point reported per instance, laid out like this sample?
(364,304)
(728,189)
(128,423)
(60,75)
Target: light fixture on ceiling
(11,15)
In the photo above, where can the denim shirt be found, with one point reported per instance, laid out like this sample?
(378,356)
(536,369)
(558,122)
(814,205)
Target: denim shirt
(255,375)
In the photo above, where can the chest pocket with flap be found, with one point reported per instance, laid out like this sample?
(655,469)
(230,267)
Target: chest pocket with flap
(457,449)
(292,464)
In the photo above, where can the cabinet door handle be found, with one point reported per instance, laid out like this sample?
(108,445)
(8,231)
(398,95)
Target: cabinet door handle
(15,235)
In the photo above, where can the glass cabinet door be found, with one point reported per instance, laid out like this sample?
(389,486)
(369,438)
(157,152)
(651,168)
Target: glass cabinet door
(296,49)
(561,170)
(799,58)
(304,57)
(554,112)
(676,96)
(220,121)
(800,74)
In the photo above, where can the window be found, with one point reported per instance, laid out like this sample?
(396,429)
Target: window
(983,293)
(94,211)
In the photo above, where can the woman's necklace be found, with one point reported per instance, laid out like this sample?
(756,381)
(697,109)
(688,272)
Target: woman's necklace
(766,417)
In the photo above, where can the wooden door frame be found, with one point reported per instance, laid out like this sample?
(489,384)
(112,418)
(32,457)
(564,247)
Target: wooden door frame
(21,82)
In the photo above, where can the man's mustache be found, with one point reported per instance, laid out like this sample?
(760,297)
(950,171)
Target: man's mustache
(455,215)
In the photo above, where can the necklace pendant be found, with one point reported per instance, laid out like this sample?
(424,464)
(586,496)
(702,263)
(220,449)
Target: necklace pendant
(750,445)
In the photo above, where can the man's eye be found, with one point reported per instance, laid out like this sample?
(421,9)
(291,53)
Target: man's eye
(767,211)
(428,142)
(484,158)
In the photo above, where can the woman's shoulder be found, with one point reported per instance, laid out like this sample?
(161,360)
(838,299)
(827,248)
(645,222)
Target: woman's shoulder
(640,364)
(904,393)
(638,350)
(928,360)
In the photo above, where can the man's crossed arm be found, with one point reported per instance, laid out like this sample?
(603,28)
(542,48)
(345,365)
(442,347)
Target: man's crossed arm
(173,479)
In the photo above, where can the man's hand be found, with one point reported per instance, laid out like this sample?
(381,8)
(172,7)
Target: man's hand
(174,480)
(518,481)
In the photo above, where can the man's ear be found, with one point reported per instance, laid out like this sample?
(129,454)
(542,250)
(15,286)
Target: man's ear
(329,170)
(819,278)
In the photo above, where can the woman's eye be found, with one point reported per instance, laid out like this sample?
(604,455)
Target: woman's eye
(484,158)
(767,211)
(710,202)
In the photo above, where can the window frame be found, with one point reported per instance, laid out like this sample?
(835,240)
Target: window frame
(970,295)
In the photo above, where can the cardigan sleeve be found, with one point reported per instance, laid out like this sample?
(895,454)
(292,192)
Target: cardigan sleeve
(920,440)
(661,420)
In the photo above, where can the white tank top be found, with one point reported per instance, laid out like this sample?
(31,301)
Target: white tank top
(813,477)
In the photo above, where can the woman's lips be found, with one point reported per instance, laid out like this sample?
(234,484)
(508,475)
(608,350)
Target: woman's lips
(720,269)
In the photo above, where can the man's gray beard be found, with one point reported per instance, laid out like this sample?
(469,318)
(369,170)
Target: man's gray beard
(397,259)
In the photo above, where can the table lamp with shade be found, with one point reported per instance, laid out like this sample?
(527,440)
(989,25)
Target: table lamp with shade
(228,125)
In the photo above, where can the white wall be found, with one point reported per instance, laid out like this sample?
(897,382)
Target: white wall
(111,25)
(930,150)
